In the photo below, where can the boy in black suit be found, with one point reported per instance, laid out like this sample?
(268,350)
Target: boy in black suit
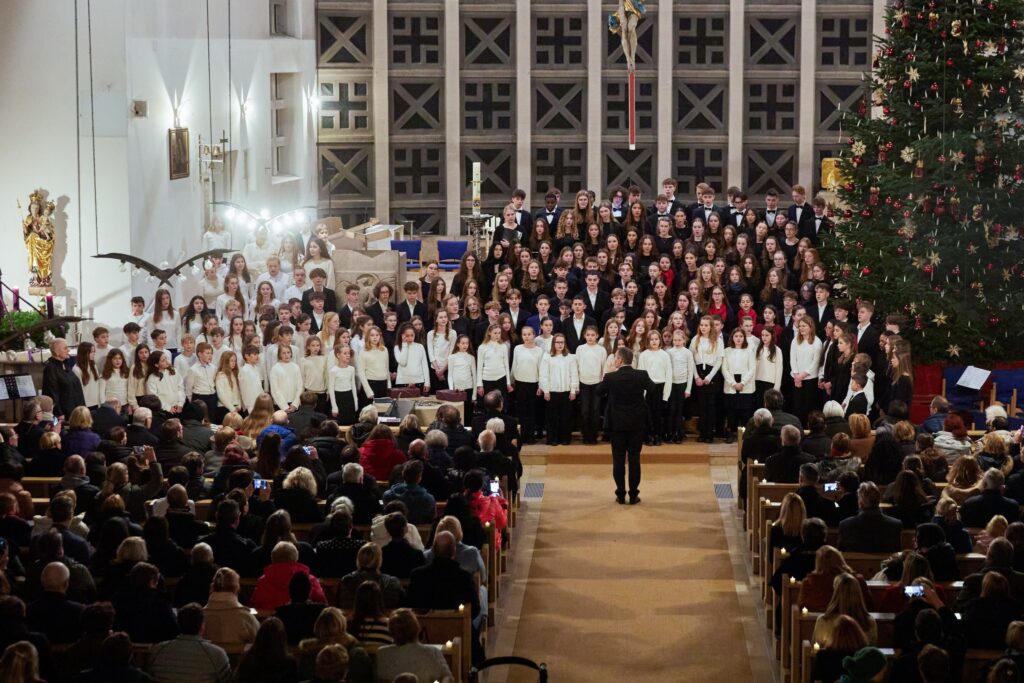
(858,403)
(820,223)
(523,219)
(707,206)
(801,212)
(412,304)
(549,213)
(348,312)
(771,208)
(319,278)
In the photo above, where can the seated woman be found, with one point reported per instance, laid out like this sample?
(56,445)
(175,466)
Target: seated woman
(79,438)
(963,480)
(49,459)
(885,459)
(995,453)
(935,466)
(952,440)
(861,438)
(368,562)
(298,497)
(817,587)
(986,618)
(913,566)
(278,528)
(227,621)
(785,531)
(996,528)
(272,587)
(331,628)
(910,504)
(408,655)
(847,599)
(947,518)
(835,419)
(369,617)
(847,638)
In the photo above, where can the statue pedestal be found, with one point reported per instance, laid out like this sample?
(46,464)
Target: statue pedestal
(35,290)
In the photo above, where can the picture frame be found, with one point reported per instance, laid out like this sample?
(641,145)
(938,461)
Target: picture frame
(178,152)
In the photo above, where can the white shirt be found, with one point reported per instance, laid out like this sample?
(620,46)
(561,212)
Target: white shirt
(115,387)
(869,391)
(703,354)
(438,348)
(211,289)
(558,374)
(168,389)
(526,364)
(590,363)
(280,283)
(170,323)
(326,265)
(201,380)
(805,357)
(658,365)
(343,380)
(286,384)
(769,370)
(314,373)
(412,364)
(182,363)
(229,394)
(223,299)
(739,362)
(91,391)
(293,292)
(250,384)
(682,366)
(461,371)
(374,364)
(136,388)
(492,363)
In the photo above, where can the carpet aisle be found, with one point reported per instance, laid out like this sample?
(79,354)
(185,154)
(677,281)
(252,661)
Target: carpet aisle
(635,593)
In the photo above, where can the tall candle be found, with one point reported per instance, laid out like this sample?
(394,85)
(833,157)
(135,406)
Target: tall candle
(476,189)
(49,305)
(15,300)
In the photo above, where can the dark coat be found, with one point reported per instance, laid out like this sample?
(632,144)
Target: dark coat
(625,389)
(365,499)
(63,386)
(145,615)
(56,616)
(298,619)
(442,584)
(784,466)
(400,558)
(105,418)
(870,532)
(140,436)
(978,510)
(229,548)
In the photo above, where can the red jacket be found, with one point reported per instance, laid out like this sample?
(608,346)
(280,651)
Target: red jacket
(379,456)
(491,509)
(272,588)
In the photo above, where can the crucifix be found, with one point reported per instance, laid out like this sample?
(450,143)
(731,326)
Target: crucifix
(624,22)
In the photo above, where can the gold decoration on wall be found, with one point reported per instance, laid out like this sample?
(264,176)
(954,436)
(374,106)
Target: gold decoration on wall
(39,234)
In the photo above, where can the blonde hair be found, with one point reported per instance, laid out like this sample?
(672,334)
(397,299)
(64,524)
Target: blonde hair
(226,580)
(828,560)
(860,426)
(80,418)
(996,527)
(369,556)
(848,599)
(132,549)
(993,444)
(301,477)
(792,514)
(452,525)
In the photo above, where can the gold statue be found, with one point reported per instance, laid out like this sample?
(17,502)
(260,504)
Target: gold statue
(38,232)
(831,176)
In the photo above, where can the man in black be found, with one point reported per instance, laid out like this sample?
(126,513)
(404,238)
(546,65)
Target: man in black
(59,383)
(784,466)
(229,548)
(626,421)
(870,531)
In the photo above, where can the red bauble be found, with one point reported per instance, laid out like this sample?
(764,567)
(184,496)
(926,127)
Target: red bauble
(897,204)
(866,213)
(910,56)
(955,272)
(886,110)
(860,245)
(888,200)
(846,272)
(982,343)
(900,250)
(918,325)
(993,320)
(989,266)
(917,105)
(907,84)
(928,268)
(940,210)
(889,145)
(950,62)
(906,214)
(848,213)
(934,87)
(865,270)
(968,82)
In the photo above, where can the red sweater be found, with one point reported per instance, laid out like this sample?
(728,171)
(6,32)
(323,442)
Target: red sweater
(379,456)
(272,588)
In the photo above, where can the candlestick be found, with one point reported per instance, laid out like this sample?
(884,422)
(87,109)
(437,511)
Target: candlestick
(476,189)
(15,300)
(49,305)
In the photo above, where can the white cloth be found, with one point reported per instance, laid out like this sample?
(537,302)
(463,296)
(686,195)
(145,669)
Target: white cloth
(314,373)
(374,365)
(492,363)
(170,323)
(412,364)
(439,347)
(325,264)
(286,384)
(115,387)
(739,362)
(91,391)
(590,363)
(658,365)
(229,394)
(256,256)
(526,364)
(343,380)
(703,354)
(559,374)
(805,358)
(462,371)
(201,379)
(168,389)
(280,283)
(182,363)
(769,370)
(683,369)
(250,384)
(210,290)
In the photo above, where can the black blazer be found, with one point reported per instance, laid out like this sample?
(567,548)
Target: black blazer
(442,584)
(805,225)
(769,217)
(404,315)
(524,219)
(347,316)
(811,229)
(330,301)
(858,405)
(105,418)
(625,388)
(63,387)
(377,312)
(820,318)
(870,532)
(604,302)
(552,221)
(869,344)
(572,340)
(699,212)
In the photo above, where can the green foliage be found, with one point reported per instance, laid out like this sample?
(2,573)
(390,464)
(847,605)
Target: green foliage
(934,184)
(20,320)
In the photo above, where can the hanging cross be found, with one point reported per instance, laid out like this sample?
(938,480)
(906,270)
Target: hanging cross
(624,22)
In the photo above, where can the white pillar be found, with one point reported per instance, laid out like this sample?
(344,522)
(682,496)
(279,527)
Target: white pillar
(381,113)
(808,61)
(737,31)
(594,97)
(453,119)
(524,101)
(666,96)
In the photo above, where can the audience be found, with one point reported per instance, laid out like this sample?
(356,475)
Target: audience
(408,655)
(189,657)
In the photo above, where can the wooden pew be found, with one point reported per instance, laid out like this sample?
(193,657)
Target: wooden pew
(440,626)
(40,487)
(802,629)
(807,652)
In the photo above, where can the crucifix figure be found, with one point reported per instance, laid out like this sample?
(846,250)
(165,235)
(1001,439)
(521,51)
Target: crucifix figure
(624,22)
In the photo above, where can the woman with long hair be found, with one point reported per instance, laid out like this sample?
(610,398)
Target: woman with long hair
(113,381)
(817,587)
(567,232)
(260,417)
(707,357)
(317,256)
(805,362)
(636,218)
(86,372)
(232,290)
(469,269)
(847,599)
(785,531)
(497,259)
(606,219)
(901,373)
(963,480)
(369,622)
(192,318)
(847,639)
(137,376)
(539,233)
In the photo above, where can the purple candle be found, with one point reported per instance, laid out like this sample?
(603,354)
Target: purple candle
(49,305)
(15,300)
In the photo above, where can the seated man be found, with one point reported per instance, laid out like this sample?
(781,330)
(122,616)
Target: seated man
(75,479)
(816,504)
(189,656)
(142,611)
(400,558)
(998,559)
(354,487)
(230,549)
(336,551)
(443,584)
(493,461)
(870,531)
(435,478)
(774,402)
(421,505)
(139,433)
(113,662)
(184,528)
(784,466)
(52,614)
(299,615)
(978,510)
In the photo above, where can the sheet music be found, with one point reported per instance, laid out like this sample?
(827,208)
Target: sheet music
(973,378)
(26,387)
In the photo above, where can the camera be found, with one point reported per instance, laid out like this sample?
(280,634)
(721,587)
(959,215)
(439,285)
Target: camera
(913,591)
(831,488)
(260,484)
(495,487)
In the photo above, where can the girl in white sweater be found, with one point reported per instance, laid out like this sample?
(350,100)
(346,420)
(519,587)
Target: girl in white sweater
(739,367)
(492,369)
(137,375)
(440,343)
(413,368)
(374,363)
(590,359)
(526,360)
(250,378)
(114,378)
(683,372)
(707,359)
(658,364)
(229,394)
(164,383)
(559,382)
(166,318)
(314,372)
(804,363)
(85,371)
(343,388)
(462,374)
(285,380)
(769,366)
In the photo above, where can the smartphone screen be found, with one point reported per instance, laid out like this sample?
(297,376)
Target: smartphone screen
(495,487)
(259,484)
(829,488)
(913,591)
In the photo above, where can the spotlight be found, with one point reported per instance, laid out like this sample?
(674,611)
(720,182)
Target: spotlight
(164,265)
(181,278)
(196,270)
(252,223)
(150,279)
(123,267)
(289,219)
(230,213)
(136,271)
(265,214)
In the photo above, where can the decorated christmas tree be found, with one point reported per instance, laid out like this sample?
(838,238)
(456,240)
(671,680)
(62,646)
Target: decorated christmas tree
(932,194)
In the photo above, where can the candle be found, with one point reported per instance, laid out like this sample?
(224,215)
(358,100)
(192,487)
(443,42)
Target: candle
(49,305)
(476,189)
(15,300)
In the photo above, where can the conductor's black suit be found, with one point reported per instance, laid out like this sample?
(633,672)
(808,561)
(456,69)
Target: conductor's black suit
(625,421)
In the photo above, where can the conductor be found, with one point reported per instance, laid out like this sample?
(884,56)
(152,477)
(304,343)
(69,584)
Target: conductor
(625,421)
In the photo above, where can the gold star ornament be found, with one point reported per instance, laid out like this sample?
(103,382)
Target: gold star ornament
(907,154)
(940,319)
(1018,73)
(934,258)
(953,350)
(858,148)
(913,74)
(986,90)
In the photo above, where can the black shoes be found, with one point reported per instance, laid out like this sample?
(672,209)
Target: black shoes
(634,500)
(621,500)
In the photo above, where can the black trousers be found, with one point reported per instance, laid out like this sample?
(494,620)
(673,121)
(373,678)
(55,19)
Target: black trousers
(805,398)
(707,401)
(676,427)
(212,411)
(379,388)
(526,409)
(559,415)
(502,386)
(590,411)
(738,409)
(656,408)
(760,387)
(626,447)
(323,403)
(348,412)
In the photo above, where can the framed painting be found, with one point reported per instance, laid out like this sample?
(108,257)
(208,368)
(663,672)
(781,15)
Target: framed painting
(177,147)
